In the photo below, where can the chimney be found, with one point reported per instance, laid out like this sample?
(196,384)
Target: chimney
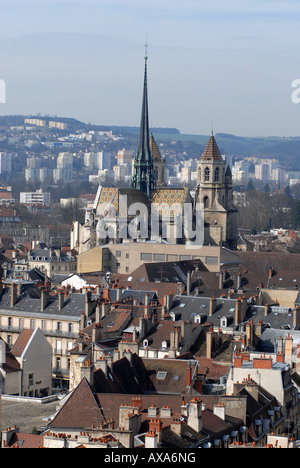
(238,280)
(296,318)
(195,415)
(219,410)
(119,293)
(176,427)
(221,280)
(189,375)
(155,425)
(88,303)
(288,349)
(189,283)
(142,326)
(151,440)
(174,339)
(102,364)
(266,312)
(209,336)
(44,299)
(237,313)
(128,355)
(7,435)
(280,357)
(147,300)
(61,300)
(212,306)
(13,294)
(249,334)
(82,321)
(279,344)
(97,314)
(152,411)
(168,302)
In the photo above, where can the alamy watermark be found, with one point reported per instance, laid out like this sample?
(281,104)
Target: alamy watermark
(296,93)
(2,92)
(159,221)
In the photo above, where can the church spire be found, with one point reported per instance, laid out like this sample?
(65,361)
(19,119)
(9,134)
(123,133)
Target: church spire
(143,178)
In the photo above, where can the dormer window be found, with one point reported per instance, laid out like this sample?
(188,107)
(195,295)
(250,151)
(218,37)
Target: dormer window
(223,322)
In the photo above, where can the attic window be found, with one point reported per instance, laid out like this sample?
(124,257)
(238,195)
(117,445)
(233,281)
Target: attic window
(182,306)
(161,375)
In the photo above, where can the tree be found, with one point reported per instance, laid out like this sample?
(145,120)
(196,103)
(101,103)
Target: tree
(296,216)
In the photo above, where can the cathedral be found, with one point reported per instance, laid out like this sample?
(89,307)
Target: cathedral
(148,188)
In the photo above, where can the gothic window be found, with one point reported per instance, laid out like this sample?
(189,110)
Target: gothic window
(199,174)
(205,202)
(217,174)
(207,173)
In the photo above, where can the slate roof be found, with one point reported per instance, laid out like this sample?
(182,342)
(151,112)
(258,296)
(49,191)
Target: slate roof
(279,318)
(29,304)
(187,307)
(255,268)
(268,340)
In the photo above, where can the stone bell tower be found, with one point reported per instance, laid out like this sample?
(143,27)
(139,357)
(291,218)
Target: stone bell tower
(214,190)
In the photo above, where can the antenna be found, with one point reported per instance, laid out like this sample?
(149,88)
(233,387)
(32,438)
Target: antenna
(146,49)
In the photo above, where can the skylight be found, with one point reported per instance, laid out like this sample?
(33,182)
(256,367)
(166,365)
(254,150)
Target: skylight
(161,375)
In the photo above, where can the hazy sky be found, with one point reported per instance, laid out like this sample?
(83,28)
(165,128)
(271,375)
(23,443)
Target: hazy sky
(228,62)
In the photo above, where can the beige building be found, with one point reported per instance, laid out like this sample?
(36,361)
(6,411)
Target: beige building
(125,258)
(51,261)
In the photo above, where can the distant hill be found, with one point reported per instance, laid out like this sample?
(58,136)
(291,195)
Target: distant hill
(285,149)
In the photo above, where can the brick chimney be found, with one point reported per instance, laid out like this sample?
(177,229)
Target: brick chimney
(189,375)
(155,425)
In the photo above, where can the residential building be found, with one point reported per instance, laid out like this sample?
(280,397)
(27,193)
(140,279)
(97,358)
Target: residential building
(22,373)
(51,261)
(5,162)
(39,197)
(59,317)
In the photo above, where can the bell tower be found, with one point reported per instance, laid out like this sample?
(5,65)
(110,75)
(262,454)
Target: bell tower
(214,190)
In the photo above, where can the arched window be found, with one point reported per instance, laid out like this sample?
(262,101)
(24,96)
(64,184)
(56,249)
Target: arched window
(199,174)
(217,174)
(207,173)
(205,202)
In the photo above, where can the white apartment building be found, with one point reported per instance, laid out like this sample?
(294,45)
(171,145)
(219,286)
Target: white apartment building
(39,197)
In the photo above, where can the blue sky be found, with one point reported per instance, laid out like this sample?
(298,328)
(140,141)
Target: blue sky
(231,62)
